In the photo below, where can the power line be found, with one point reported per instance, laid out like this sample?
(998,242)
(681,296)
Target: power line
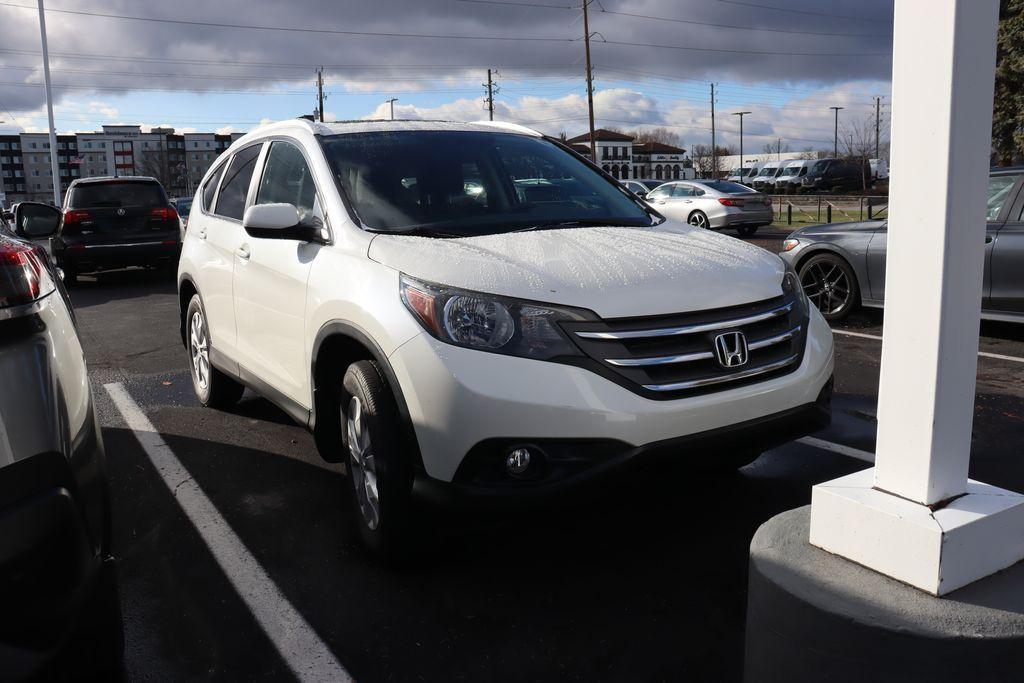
(795,11)
(379,34)
(258,27)
(693,22)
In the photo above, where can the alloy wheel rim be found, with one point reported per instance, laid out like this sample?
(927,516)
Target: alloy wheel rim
(827,285)
(698,220)
(363,463)
(199,350)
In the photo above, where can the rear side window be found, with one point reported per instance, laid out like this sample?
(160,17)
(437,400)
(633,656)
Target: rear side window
(210,189)
(235,185)
(116,194)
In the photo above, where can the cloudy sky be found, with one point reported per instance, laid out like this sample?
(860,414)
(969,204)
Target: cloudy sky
(230,64)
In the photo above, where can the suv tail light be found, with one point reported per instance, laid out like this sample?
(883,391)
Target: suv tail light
(164,213)
(25,278)
(730,202)
(75,218)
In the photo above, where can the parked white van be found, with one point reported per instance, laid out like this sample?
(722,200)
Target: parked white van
(764,181)
(791,176)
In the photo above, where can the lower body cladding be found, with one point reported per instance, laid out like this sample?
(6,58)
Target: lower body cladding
(472,410)
(87,258)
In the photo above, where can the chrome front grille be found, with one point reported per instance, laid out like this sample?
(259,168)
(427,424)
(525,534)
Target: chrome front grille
(674,356)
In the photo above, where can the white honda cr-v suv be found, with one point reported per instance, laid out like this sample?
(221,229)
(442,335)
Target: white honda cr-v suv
(476,309)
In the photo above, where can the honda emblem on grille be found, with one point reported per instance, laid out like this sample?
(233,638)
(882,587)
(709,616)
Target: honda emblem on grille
(731,349)
(121,212)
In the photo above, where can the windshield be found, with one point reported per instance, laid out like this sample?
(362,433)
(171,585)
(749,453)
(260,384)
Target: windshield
(818,168)
(726,186)
(465,183)
(792,170)
(115,194)
(769,170)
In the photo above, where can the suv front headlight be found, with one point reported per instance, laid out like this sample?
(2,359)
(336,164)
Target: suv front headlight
(487,322)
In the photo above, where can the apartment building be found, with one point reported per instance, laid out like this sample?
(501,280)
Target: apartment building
(177,160)
(620,155)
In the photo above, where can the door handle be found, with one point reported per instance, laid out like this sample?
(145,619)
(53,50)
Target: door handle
(243,252)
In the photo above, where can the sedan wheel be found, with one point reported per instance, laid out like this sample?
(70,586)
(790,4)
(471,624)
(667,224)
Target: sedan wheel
(699,219)
(830,284)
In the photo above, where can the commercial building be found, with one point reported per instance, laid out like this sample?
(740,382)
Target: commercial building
(620,155)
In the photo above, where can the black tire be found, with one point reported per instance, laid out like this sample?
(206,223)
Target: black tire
(70,277)
(219,390)
(699,219)
(386,529)
(827,266)
(746,230)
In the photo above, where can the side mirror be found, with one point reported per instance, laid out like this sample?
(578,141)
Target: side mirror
(36,221)
(279,222)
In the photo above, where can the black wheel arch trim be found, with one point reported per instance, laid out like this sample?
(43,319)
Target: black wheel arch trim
(354,332)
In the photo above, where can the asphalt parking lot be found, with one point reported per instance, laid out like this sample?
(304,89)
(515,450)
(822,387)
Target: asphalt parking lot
(643,579)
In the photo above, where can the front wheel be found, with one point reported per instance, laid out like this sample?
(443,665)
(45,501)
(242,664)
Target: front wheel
(699,219)
(831,285)
(378,466)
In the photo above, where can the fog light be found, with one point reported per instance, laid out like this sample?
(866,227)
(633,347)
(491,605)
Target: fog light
(517,461)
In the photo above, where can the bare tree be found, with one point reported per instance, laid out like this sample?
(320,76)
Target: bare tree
(660,134)
(702,160)
(857,143)
(776,147)
(156,163)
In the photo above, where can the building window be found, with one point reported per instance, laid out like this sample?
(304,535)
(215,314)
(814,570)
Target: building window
(35,173)
(4,145)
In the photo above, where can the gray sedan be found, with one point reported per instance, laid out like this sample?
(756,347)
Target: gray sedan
(842,265)
(713,204)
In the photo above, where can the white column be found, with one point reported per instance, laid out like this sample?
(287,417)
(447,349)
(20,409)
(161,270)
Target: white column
(943,74)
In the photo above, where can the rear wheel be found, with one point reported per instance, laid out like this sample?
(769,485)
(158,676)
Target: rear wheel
(830,284)
(746,230)
(699,219)
(378,464)
(212,387)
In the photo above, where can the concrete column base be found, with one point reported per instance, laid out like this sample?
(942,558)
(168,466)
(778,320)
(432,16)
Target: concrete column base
(814,616)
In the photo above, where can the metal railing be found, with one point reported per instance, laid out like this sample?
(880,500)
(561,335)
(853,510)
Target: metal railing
(792,209)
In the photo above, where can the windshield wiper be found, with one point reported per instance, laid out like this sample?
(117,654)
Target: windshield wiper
(577,223)
(420,231)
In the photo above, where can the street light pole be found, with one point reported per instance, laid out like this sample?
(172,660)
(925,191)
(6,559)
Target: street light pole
(54,159)
(741,114)
(835,134)
(392,103)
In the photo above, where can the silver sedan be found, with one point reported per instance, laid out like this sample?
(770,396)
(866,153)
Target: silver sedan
(842,265)
(713,204)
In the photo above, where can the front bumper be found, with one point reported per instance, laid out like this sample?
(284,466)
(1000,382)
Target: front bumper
(459,398)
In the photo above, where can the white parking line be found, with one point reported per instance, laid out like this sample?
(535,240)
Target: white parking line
(983,354)
(295,640)
(839,448)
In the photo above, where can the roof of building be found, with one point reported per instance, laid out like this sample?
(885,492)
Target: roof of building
(656,148)
(603,135)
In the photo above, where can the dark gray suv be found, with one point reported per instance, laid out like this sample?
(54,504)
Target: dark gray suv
(61,616)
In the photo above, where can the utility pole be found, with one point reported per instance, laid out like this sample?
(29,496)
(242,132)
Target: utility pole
(490,96)
(878,125)
(741,114)
(835,134)
(320,93)
(714,151)
(54,158)
(392,103)
(590,80)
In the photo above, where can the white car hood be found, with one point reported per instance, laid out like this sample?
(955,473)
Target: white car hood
(613,271)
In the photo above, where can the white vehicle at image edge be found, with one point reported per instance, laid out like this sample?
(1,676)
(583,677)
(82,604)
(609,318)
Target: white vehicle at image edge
(475,310)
